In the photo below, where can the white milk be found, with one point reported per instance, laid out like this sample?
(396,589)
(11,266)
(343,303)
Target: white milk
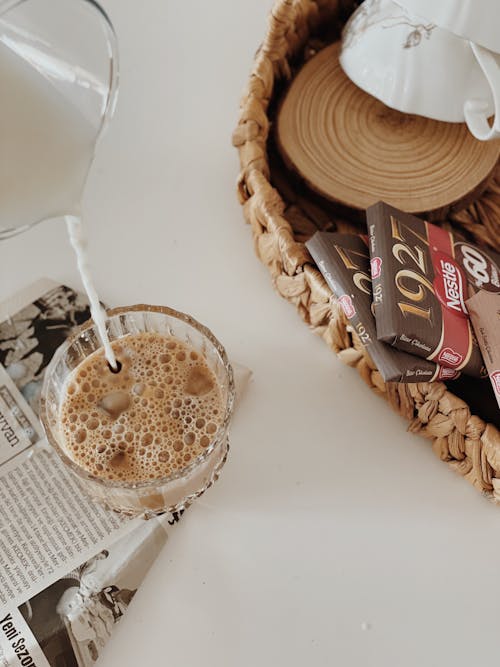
(46,145)
(78,241)
(46,149)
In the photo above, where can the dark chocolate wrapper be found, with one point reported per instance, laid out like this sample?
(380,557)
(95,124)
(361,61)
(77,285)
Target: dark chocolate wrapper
(344,261)
(422,277)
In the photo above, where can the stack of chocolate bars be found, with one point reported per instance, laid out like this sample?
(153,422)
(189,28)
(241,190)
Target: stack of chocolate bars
(425,304)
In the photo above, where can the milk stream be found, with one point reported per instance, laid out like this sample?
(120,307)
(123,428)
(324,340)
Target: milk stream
(77,240)
(47,147)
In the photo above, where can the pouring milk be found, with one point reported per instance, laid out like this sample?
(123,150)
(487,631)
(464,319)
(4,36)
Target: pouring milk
(47,147)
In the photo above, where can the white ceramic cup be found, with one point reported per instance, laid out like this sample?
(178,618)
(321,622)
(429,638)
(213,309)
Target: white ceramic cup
(477,20)
(415,66)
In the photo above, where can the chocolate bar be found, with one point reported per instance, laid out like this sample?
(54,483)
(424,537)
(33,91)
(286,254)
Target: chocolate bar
(344,261)
(484,310)
(422,277)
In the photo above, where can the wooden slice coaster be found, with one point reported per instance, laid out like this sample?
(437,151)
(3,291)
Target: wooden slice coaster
(354,151)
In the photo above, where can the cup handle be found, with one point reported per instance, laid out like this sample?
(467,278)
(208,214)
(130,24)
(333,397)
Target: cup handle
(475,110)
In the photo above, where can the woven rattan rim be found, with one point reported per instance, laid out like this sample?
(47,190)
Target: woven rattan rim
(281,221)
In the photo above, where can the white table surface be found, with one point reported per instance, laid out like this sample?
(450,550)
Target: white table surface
(333,537)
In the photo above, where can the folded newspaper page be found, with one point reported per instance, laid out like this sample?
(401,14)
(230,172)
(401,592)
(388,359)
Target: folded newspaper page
(68,567)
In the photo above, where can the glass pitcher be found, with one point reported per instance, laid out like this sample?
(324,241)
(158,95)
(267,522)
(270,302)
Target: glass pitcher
(58,88)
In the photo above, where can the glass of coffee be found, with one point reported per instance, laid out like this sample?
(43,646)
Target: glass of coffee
(150,436)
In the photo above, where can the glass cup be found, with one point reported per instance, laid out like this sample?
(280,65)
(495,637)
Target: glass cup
(179,489)
(58,81)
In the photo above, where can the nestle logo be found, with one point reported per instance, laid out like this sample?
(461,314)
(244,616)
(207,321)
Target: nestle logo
(347,306)
(450,284)
(450,357)
(453,286)
(376,267)
(495,379)
(447,373)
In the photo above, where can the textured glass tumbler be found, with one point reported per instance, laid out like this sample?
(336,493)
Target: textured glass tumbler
(179,489)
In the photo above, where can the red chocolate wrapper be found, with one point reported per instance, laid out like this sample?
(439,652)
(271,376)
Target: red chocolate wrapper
(344,261)
(422,277)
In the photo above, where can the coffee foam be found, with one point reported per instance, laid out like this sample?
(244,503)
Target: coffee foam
(151,419)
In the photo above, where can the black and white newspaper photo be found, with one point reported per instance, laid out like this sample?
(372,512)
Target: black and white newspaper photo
(30,336)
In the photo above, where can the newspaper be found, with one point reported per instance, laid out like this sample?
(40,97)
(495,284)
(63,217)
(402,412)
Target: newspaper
(68,568)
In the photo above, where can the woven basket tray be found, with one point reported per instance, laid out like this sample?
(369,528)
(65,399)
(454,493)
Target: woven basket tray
(283,220)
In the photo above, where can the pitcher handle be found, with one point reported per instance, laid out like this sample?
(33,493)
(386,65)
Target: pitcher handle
(475,111)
